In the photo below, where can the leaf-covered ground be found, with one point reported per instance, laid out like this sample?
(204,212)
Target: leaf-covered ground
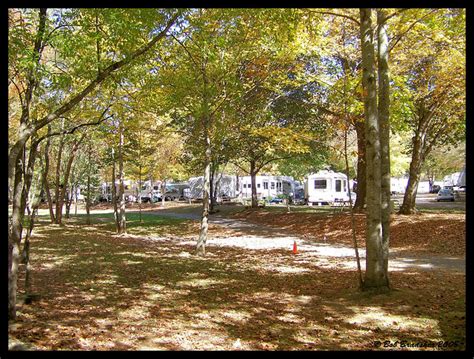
(148,291)
(433,233)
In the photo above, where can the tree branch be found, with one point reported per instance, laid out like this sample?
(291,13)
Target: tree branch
(72,130)
(336,14)
(103,75)
(400,36)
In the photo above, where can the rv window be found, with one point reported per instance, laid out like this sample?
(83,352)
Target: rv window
(258,185)
(272,185)
(279,186)
(265,185)
(320,184)
(338,185)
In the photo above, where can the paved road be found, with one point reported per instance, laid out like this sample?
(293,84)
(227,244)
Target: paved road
(428,201)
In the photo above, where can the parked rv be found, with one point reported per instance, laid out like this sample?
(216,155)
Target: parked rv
(326,187)
(268,186)
(226,186)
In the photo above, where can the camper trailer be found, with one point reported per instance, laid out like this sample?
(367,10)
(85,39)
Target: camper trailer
(326,187)
(130,190)
(268,186)
(176,191)
(398,185)
(451,180)
(226,187)
(149,192)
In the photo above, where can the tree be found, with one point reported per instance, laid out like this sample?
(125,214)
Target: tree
(376,107)
(36,86)
(198,75)
(375,276)
(435,77)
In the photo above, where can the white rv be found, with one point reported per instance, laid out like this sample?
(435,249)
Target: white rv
(149,192)
(398,185)
(226,187)
(326,187)
(267,186)
(451,180)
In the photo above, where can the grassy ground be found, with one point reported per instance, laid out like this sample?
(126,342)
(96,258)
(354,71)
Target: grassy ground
(147,290)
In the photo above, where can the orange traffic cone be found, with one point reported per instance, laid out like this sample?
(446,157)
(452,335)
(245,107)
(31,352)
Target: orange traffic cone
(295,249)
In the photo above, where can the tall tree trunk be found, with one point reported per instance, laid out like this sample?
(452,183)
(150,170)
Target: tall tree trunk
(114,192)
(409,199)
(376,277)
(122,228)
(45,179)
(201,244)
(351,209)
(23,180)
(212,187)
(163,192)
(62,195)
(139,190)
(68,202)
(360,202)
(88,199)
(57,189)
(32,211)
(253,184)
(14,239)
(384,127)
(206,125)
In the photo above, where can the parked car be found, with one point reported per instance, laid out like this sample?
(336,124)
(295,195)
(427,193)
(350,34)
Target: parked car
(276,200)
(435,188)
(445,195)
(145,199)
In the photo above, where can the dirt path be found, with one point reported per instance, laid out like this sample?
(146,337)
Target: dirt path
(258,236)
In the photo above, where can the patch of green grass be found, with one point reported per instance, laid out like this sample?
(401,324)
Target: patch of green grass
(150,224)
(441,210)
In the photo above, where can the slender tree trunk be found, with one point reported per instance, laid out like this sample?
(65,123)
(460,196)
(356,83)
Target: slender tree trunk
(114,193)
(15,239)
(375,275)
(211,187)
(201,244)
(409,199)
(163,191)
(68,202)
(23,180)
(45,177)
(75,200)
(35,201)
(138,193)
(216,187)
(62,195)
(253,182)
(361,166)
(353,227)
(57,190)
(206,125)
(88,199)
(384,126)
(122,228)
